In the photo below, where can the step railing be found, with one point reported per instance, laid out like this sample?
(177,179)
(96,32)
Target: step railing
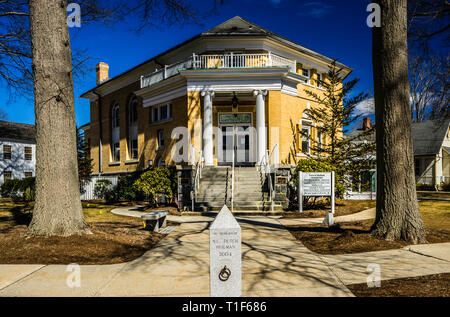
(267,165)
(232,184)
(197,178)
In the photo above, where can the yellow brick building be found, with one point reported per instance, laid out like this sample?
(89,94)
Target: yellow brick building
(233,93)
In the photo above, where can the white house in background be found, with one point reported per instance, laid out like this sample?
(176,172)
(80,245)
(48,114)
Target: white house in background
(364,187)
(17,150)
(431,140)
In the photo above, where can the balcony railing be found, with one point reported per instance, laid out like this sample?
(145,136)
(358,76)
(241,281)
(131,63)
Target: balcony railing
(219,61)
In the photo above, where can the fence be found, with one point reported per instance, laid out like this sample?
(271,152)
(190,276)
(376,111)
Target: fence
(88,190)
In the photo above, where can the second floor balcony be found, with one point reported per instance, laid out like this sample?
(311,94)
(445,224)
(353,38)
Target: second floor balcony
(219,61)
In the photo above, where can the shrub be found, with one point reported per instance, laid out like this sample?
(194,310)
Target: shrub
(19,189)
(125,190)
(445,187)
(103,189)
(157,182)
(425,187)
(315,166)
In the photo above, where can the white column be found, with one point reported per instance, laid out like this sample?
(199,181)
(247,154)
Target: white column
(208,127)
(260,125)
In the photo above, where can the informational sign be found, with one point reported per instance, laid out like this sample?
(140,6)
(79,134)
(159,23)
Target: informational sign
(228,118)
(317,185)
(225,255)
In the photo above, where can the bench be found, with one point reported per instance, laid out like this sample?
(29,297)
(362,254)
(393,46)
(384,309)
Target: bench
(155,220)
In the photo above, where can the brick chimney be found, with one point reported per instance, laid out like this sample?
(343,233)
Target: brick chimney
(366,124)
(102,72)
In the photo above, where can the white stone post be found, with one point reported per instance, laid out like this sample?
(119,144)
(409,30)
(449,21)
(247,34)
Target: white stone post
(208,127)
(261,147)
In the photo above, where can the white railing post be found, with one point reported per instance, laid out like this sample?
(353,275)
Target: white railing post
(232,184)
(270,59)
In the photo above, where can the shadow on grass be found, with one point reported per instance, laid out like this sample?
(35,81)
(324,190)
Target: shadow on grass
(21,215)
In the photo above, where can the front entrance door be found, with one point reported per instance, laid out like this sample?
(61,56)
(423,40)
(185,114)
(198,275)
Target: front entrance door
(235,141)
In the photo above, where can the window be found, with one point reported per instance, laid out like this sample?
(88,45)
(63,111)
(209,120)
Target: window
(6,152)
(319,139)
(115,133)
(417,167)
(132,112)
(162,113)
(116,152)
(28,174)
(134,149)
(160,139)
(306,73)
(115,117)
(319,80)
(7,175)
(132,129)
(306,132)
(305,139)
(28,153)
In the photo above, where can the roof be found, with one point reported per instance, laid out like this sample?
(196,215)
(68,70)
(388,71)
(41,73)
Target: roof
(17,131)
(362,135)
(428,136)
(236,26)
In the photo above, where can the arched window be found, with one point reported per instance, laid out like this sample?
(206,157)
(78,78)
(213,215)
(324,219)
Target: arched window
(115,133)
(133,128)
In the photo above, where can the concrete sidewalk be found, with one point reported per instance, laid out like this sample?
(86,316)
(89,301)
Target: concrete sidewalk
(274,264)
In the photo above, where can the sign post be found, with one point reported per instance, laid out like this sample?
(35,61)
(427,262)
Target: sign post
(317,185)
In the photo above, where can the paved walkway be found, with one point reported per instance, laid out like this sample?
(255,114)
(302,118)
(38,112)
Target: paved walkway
(274,264)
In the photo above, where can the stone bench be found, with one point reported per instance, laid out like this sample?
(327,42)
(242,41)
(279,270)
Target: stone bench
(155,220)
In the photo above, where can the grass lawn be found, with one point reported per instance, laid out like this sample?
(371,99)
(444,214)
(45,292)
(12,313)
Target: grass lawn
(355,237)
(115,239)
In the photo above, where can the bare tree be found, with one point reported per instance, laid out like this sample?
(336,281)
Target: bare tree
(429,85)
(397,215)
(35,44)
(428,19)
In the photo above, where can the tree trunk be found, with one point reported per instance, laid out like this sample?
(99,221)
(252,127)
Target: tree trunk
(57,210)
(397,215)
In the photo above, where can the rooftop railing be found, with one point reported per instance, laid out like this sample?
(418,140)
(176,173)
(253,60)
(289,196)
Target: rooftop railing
(219,61)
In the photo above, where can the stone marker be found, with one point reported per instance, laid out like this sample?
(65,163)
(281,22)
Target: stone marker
(225,271)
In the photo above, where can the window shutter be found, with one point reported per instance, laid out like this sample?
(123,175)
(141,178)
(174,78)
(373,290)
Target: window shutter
(298,141)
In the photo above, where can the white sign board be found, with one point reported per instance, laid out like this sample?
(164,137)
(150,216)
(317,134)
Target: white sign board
(317,184)
(225,255)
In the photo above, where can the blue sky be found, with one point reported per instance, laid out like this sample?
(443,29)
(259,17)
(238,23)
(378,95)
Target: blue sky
(334,28)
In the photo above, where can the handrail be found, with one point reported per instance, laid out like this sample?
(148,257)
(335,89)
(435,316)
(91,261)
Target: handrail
(266,167)
(219,61)
(197,177)
(232,184)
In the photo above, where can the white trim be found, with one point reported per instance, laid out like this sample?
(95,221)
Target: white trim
(164,97)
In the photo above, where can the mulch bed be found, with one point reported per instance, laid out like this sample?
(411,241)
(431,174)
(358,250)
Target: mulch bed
(112,242)
(437,285)
(353,237)
(321,210)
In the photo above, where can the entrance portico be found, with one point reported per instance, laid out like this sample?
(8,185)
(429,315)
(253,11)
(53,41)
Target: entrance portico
(240,130)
